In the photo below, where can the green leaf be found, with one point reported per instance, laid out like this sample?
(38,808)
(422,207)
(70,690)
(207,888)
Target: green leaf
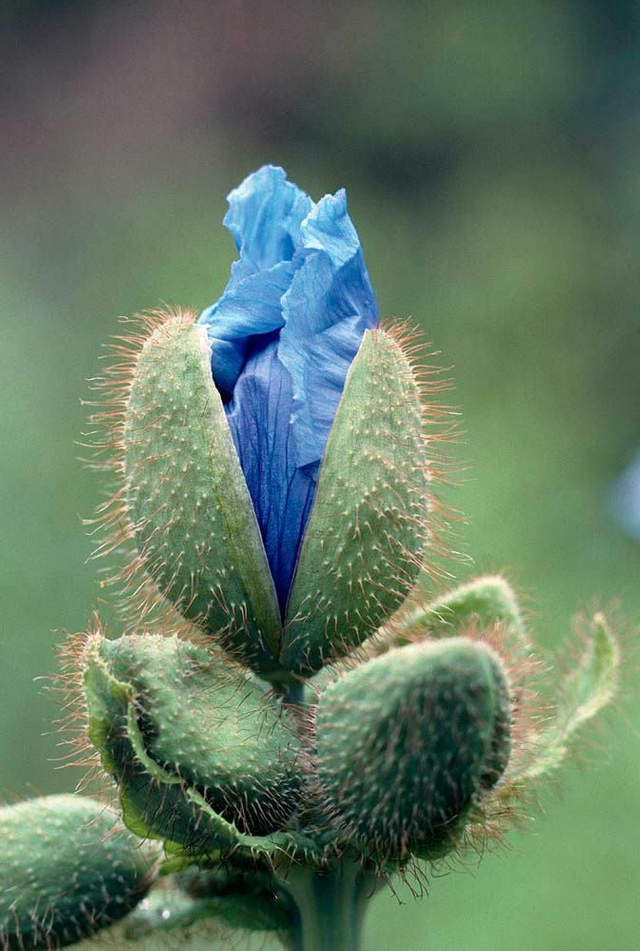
(232,900)
(483,601)
(584,692)
(481,604)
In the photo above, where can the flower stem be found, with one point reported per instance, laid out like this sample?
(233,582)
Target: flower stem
(328,906)
(294,693)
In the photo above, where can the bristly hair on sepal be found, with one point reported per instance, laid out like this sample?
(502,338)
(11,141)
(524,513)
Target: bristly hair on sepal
(147,581)
(376,524)
(181,517)
(137,597)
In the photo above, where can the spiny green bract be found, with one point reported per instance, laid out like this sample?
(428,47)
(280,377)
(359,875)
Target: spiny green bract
(196,748)
(67,869)
(409,742)
(485,602)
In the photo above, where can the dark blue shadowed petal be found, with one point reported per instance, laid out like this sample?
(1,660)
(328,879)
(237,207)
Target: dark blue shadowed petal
(283,336)
(281,491)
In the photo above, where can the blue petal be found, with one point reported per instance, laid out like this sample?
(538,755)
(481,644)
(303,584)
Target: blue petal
(282,493)
(326,311)
(248,307)
(264,217)
(283,335)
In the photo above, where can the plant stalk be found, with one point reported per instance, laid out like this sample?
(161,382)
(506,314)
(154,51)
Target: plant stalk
(328,906)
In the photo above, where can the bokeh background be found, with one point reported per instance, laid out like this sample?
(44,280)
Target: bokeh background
(491,152)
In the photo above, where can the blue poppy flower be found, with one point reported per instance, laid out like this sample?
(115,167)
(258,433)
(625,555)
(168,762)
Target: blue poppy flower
(283,335)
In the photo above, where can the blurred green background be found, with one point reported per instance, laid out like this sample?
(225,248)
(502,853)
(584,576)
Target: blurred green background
(491,153)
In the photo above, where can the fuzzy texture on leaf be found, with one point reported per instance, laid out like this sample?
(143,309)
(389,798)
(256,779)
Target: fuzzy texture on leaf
(187,499)
(368,532)
(586,689)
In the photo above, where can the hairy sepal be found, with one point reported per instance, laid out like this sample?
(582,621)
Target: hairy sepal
(408,744)
(367,532)
(202,756)
(68,869)
(187,499)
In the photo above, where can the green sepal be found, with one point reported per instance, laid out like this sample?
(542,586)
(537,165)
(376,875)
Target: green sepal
(583,693)
(200,753)
(187,498)
(367,532)
(407,745)
(68,868)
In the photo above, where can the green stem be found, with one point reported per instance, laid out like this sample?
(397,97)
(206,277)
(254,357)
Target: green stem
(294,693)
(328,907)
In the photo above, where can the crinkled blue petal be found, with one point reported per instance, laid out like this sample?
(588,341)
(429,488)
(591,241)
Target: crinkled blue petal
(249,307)
(283,336)
(326,310)
(264,217)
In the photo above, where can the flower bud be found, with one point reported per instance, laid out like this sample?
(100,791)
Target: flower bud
(408,743)
(67,869)
(274,456)
(198,751)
